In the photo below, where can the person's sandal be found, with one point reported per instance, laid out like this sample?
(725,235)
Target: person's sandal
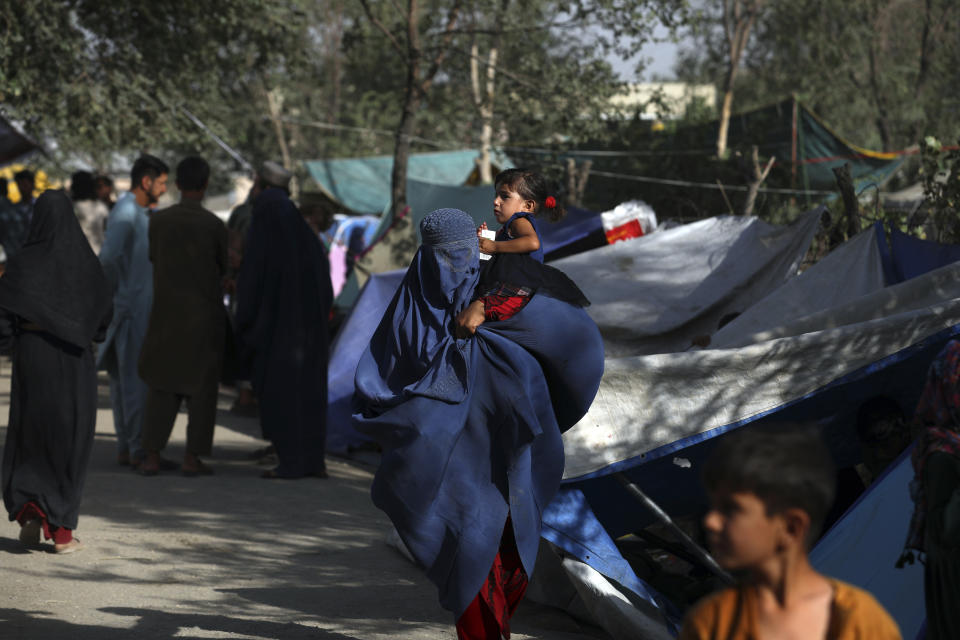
(68,547)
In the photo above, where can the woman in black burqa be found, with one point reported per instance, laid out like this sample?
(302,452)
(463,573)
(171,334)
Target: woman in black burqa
(54,303)
(284,297)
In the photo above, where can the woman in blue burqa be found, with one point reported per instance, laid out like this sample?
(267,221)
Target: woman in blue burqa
(469,417)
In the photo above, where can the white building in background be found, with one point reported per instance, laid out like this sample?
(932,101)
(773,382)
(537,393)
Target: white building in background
(662,100)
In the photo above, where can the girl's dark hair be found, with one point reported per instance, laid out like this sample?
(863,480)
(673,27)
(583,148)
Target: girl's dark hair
(83,186)
(786,466)
(533,185)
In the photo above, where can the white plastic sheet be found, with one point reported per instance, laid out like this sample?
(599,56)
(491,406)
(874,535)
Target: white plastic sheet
(850,271)
(656,293)
(648,401)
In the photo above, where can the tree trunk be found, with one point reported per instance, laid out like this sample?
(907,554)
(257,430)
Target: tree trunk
(725,111)
(274,104)
(401,152)
(335,37)
(416,89)
(577,181)
(486,119)
(738,19)
(757,176)
(883,116)
(850,205)
(483,98)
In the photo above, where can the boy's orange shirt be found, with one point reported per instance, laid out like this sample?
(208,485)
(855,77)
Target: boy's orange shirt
(731,614)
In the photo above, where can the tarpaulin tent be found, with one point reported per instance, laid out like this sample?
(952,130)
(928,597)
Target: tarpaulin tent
(362,185)
(850,271)
(909,256)
(654,294)
(13,144)
(863,546)
(648,406)
(353,337)
(398,236)
(657,417)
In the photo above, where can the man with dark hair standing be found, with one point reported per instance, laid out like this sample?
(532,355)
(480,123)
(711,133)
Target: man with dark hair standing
(126,263)
(26,183)
(183,349)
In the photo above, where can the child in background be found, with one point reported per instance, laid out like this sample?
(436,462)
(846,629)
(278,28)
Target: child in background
(769,492)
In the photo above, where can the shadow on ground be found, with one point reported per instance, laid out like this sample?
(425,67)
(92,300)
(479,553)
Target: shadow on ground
(152,624)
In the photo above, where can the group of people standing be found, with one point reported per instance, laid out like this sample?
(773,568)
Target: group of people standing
(154,300)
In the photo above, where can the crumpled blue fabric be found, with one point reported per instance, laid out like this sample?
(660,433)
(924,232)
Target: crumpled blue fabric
(468,427)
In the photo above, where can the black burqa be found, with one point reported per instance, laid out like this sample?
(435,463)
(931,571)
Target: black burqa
(55,302)
(284,298)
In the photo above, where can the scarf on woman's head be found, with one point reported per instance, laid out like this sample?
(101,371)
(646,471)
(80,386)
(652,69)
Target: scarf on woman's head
(938,414)
(55,280)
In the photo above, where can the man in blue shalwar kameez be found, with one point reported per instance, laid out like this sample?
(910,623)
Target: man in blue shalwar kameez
(126,263)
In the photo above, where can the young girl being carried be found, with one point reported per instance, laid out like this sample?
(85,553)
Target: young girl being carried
(522,195)
(516,271)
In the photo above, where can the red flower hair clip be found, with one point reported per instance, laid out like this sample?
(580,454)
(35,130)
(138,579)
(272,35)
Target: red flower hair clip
(550,202)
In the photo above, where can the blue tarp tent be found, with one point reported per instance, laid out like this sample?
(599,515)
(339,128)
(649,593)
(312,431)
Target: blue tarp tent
(863,546)
(656,418)
(353,337)
(579,230)
(908,257)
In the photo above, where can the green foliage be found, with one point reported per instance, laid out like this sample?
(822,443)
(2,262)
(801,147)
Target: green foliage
(941,189)
(881,71)
(93,78)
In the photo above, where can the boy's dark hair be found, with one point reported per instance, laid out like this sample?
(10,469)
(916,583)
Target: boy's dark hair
(193,172)
(82,186)
(147,166)
(532,185)
(23,174)
(104,180)
(785,466)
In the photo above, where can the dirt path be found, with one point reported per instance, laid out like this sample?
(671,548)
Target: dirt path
(226,556)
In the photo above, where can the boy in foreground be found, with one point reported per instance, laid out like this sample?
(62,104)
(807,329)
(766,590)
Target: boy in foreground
(769,492)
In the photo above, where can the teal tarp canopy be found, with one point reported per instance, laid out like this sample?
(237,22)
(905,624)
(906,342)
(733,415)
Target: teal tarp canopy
(363,184)
(422,197)
(804,143)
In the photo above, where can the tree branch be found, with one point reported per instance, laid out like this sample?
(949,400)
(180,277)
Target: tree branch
(452,18)
(379,25)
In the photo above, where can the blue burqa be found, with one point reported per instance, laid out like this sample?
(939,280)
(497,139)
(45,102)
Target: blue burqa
(467,426)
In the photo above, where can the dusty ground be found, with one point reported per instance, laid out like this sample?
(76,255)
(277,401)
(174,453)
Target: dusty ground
(226,556)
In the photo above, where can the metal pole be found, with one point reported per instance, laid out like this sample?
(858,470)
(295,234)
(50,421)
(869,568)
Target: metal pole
(699,552)
(223,145)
